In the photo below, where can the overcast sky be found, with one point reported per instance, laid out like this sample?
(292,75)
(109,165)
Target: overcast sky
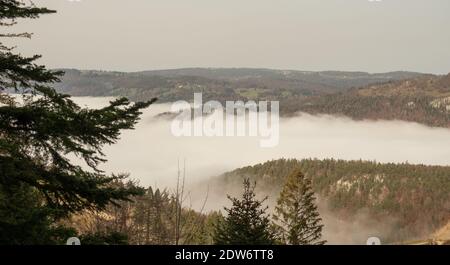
(132,35)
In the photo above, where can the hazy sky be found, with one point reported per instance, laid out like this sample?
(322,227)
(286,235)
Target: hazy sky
(285,34)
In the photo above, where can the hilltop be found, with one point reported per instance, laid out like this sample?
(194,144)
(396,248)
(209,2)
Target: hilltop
(425,100)
(218,84)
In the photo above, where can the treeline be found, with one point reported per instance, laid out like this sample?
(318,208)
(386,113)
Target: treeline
(413,108)
(217,84)
(424,100)
(157,217)
(417,197)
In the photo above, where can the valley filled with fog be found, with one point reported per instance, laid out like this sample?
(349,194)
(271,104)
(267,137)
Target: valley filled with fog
(150,152)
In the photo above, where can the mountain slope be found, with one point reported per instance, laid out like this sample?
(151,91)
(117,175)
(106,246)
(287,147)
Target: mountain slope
(404,96)
(425,100)
(217,84)
(401,201)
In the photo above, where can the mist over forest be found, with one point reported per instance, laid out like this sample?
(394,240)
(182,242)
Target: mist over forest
(337,124)
(151,153)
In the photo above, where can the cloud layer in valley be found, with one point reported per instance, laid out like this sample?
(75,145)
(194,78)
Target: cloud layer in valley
(150,152)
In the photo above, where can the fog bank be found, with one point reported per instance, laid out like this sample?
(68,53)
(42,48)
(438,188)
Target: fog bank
(150,152)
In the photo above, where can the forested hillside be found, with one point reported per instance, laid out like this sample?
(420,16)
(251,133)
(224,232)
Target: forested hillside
(156,217)
(217,84)
(425,100)
(404,96)
(415,197)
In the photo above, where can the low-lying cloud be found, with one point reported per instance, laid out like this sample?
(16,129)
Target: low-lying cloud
(150,152)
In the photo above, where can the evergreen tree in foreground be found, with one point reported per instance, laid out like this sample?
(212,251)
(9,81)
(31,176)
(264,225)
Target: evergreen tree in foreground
(296,214)
(39,130)
(246,222)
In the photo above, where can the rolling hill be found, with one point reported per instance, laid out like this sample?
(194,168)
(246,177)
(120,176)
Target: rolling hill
(424,100)
(407,96)
(218,84)
(400,202)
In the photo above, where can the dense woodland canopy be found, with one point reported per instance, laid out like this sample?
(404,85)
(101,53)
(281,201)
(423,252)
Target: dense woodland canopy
(424,100)
(413,199)
(416,197)
(148,219)
(404,96)
(218,84)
